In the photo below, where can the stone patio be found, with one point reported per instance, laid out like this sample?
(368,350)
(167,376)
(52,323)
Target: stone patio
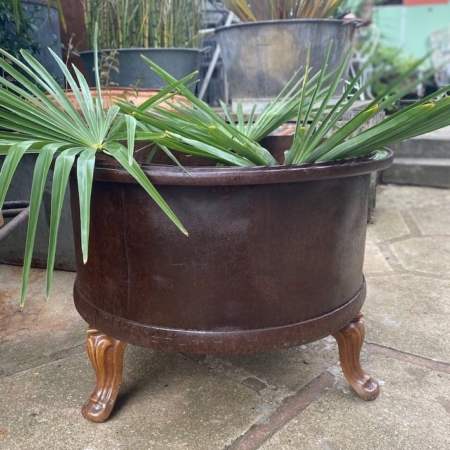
(292,399)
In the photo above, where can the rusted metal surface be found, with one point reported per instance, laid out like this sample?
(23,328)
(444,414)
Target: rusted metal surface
(241,176)
(274,256)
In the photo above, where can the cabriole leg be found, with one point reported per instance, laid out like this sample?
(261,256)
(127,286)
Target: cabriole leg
(106,355)
(350,340)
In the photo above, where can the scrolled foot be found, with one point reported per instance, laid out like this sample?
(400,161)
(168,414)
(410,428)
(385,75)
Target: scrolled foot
(106,355)
(350,340)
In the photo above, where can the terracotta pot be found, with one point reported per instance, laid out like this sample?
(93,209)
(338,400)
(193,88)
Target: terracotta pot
(274,256)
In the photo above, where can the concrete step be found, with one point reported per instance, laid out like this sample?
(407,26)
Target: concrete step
(425,171)
(421,147)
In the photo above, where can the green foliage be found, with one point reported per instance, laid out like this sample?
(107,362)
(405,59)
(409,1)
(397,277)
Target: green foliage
(195,129)
(143,23)
(17,30)
(395,62)
(14,34)
(108,64)
(49,125)
(255,10)
(42,120)
(16,7)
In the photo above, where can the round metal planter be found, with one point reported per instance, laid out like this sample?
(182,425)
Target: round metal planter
(134,71)
(261,57)
(273,259)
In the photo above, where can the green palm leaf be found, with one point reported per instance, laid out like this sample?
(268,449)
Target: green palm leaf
(119,152)
(40,176)
(13,157)
(63,165)
(85,176)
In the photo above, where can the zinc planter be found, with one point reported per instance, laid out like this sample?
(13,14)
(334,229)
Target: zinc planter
(133,71)
(46,32)
(261,57)
(273,260)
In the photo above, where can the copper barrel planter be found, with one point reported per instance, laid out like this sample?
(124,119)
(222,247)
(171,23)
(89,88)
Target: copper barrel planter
(273,259)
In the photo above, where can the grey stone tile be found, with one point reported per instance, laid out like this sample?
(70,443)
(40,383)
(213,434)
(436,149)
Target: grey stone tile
(425,254)
(408,313)
(432,219)
(428,207)
(374,260)
(388,224)
(166,401)
(406,197)
(281,373)
(412,412)
(42,327)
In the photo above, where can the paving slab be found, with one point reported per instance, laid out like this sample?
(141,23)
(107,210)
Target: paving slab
(412,412)
(389,224)
(278,375)
(375,261)
(42,328)
(429,255)
(167,401)
(429,208)
(409,313)
(407,197)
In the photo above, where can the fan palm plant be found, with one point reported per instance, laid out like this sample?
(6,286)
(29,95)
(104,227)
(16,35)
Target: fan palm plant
(320,133)
(255,10)
(39,118)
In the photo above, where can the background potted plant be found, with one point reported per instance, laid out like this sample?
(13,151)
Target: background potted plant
(275,252)
(166,31)
(262,53)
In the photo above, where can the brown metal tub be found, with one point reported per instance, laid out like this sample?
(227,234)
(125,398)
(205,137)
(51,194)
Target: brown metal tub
(273,259)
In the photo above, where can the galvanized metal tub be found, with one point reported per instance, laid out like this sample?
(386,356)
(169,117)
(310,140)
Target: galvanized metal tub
(261,57)
(134,71)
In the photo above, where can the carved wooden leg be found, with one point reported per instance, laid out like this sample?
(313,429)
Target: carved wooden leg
(350,340)
(106,355)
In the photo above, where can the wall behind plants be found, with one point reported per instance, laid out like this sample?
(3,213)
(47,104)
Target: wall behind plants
(408,27)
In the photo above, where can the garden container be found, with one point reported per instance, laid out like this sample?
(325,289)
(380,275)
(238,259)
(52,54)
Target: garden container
(273,259)
(133,71)
(261,57)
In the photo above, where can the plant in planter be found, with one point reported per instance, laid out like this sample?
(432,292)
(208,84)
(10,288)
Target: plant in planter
(275,252)
(166,31)
(32,25)
(262,53)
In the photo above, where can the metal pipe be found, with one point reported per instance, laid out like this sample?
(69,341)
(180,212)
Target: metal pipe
(213,62)
(11,226)
(12,212)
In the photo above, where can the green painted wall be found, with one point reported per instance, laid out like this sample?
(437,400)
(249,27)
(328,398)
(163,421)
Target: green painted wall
(409,27)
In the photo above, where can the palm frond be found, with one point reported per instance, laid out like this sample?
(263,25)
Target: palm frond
(42,119)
